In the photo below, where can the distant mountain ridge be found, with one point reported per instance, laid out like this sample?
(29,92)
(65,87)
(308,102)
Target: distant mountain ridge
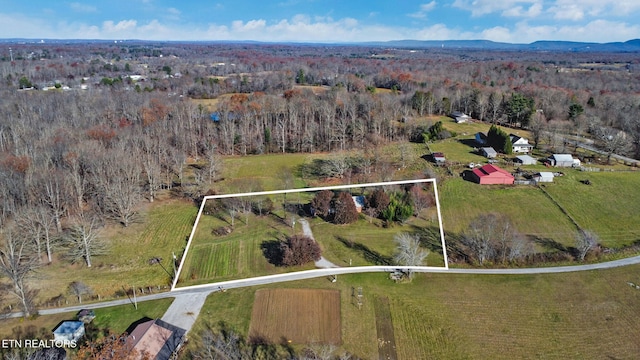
(542,45)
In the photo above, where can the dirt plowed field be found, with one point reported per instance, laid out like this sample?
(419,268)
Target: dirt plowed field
(302,316)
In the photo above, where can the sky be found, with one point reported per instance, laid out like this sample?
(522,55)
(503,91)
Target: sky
(323,21)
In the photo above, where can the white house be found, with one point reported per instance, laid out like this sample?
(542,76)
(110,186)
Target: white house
(520,144)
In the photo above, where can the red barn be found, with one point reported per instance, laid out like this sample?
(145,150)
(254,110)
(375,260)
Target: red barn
(491,174)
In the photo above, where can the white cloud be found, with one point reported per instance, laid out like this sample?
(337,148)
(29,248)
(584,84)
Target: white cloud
(519,11)
(578,10)
(82,8)
(484,7)
(424,9)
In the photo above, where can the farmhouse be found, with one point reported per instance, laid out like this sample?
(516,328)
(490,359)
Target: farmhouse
(563,160)
(520,144)
(69,331)
(490,174)
(488,152)
(460,117)
(525,160)
(157,339)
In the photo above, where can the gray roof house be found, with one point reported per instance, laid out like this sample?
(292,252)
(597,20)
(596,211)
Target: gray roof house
(489,152)
(525,160)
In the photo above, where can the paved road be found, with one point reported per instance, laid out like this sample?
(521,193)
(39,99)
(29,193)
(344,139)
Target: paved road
(590,147)
(199,292)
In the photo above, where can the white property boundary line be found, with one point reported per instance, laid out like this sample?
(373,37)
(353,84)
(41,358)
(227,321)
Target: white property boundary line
(337,187)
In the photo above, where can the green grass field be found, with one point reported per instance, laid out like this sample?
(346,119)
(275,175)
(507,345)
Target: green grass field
(444,316)
(161,230)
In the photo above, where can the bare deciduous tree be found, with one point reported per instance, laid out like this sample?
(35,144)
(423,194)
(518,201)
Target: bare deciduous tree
(586,241)
(18,263)
(78,288)
(83,240)
(492,237)
(409,252)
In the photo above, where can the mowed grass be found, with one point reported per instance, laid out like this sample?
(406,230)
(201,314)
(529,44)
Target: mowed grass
(160,231)
(236,255)
(446,316)
(302,316)
(528,208)
(610,206)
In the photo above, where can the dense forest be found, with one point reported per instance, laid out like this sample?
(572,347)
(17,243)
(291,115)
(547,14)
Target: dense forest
(89,131)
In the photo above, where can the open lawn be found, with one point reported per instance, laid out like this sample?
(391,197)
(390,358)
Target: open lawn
(532,212)
(445,316)
(610,206)
(160,231)
(302,316)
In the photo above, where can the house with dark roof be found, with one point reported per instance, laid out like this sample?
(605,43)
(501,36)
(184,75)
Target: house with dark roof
(156,339)
(520,144)
(489,174)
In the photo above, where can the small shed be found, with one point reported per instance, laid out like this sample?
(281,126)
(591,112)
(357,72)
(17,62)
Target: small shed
(69,331)
(488,152)
(525,160)
(438,158)
(86,315)
(481,138)
(460,117)
(543,176)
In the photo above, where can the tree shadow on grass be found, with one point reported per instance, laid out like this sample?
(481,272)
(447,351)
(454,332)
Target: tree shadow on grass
(430,239)
(272,251)
(369,255)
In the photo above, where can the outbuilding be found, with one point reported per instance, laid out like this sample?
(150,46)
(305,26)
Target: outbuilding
(563,160)
(525,160)
(490,174)
(543,176)
(488,152)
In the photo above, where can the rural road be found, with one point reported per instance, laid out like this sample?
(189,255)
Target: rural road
(191,298)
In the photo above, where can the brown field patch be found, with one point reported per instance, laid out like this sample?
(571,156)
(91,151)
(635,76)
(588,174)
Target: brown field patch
(300,316)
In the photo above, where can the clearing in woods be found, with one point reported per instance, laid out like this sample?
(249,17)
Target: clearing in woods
(301,316)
